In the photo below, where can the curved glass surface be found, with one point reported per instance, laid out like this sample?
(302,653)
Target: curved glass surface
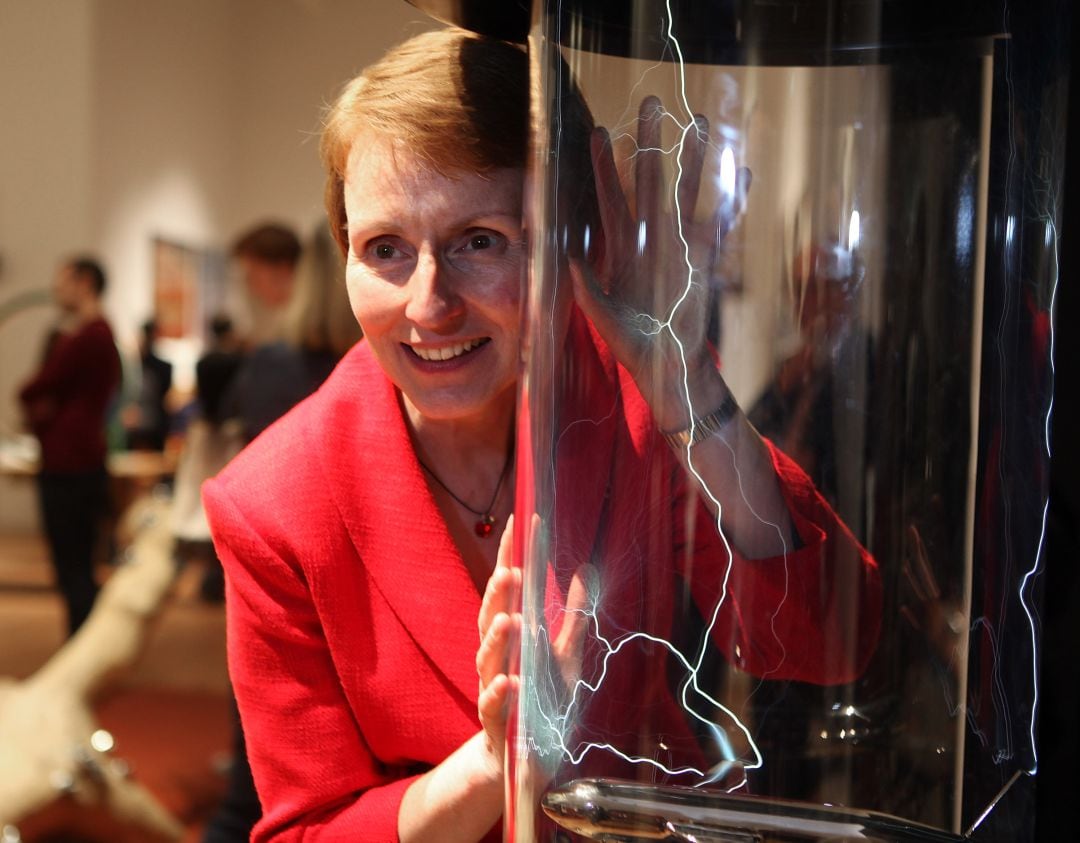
(858,235)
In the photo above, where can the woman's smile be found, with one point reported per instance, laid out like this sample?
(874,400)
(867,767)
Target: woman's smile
(446,353)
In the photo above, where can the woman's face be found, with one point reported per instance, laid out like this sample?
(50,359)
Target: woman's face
(434,278)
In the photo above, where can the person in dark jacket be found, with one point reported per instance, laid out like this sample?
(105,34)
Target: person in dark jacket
(147,418)
(65,404)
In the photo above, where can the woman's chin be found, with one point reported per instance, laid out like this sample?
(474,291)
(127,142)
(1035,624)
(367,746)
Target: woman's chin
(480,406)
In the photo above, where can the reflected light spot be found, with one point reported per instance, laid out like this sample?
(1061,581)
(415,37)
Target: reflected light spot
(102,741)
(727,172)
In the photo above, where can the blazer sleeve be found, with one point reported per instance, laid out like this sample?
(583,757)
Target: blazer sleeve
(316,777)
(812,614)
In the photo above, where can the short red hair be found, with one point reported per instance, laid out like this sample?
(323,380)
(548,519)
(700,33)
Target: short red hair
(457,100)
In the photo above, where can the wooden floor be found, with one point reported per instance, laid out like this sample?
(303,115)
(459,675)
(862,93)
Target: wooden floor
(181,679)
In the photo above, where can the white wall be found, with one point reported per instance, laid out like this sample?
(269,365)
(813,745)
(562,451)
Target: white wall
(46,185)
(279,109)
(121,120)
(165,146)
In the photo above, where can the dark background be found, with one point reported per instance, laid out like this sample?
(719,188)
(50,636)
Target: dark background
(1059,773)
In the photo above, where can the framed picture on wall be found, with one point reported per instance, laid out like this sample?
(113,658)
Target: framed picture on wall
(188,284)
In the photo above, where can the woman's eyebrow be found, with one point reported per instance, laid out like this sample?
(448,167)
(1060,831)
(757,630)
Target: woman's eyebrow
(392,226)
(365,226)
(474,216)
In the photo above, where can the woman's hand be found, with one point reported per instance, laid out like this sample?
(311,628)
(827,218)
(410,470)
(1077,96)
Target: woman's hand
(645,286)
(460,799)
(499,624)
(940,620)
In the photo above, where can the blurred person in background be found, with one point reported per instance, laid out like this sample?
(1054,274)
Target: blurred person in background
(65,405)
(317,328)
(210,441)
(266,256)
(817,408)
(146,419)
(216,368)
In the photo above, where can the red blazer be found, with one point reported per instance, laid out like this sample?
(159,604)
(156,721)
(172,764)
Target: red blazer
(352,619)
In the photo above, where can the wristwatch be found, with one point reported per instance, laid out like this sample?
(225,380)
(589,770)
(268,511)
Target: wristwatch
(704,427)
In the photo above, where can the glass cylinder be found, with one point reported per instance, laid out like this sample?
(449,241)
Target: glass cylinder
(816,222)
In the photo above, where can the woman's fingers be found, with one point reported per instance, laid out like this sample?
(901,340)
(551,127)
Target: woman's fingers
(604,286)
(496,686)
(492,657)
(493,707)
(499,625)
(506,545)
(491,703)
(695,142)
(491,654)
(498,597)
(501,592)
(647,167)
(615,218)
(569,645)
(535,536)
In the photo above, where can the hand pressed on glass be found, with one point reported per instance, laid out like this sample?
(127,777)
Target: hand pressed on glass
(499,624)
(645,284)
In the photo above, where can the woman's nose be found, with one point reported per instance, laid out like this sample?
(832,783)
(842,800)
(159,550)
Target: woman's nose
(433,300)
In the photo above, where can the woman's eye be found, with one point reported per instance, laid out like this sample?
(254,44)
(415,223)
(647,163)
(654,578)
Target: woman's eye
(483,241)
(384,251)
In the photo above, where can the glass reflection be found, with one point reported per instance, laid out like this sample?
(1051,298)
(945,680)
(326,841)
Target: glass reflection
(835,255)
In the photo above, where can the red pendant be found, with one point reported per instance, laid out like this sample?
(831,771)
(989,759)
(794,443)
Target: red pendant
(484,526)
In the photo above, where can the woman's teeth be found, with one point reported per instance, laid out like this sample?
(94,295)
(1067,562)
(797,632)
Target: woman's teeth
(447,352)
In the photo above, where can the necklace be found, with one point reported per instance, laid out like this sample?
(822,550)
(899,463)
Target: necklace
(486,523)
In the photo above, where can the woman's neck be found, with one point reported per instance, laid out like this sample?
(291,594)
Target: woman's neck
(469,468)
(471,451)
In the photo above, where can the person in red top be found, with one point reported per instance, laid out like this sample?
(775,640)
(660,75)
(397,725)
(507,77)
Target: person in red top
(65,404)
(359,532)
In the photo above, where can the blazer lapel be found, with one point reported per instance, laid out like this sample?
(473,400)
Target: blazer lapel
(396,526)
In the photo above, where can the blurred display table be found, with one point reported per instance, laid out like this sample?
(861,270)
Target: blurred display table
(19,458)
(132,474)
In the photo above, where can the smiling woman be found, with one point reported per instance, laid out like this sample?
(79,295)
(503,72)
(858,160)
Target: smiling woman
(406,477)
(358,573)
